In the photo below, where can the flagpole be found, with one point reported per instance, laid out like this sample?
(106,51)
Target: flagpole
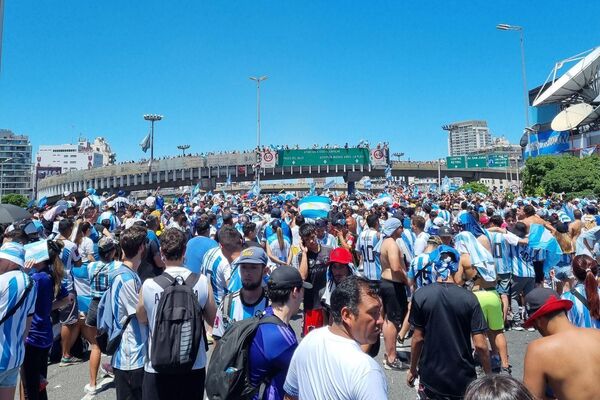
(152,118)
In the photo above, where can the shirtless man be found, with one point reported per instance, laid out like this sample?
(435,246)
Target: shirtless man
(575,227)
(392,290)
(564,363)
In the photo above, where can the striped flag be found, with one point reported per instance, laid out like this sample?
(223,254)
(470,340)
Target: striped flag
(541,238)
(146,143)
(314,206)
(384,198)
(388,173)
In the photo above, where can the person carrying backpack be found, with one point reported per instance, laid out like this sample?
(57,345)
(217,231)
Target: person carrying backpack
(257,351)
(176,358)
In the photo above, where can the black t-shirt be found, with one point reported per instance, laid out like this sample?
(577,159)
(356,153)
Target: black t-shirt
(448,315)
(317,276)
(148,268)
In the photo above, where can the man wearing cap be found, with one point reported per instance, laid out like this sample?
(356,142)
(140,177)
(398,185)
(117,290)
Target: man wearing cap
(564,363)
(17,306)
(392,290)
(329,362)
(273,345)
(250,301)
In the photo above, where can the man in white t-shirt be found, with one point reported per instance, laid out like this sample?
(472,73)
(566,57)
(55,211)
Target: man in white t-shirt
(329,363)
(418,227)
(189,385)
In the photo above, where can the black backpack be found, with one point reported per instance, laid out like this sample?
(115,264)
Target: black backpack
(227,374)
(178,325)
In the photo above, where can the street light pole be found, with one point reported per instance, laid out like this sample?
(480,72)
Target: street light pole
(183,148)
(2,177)
(152,118)
(258,80)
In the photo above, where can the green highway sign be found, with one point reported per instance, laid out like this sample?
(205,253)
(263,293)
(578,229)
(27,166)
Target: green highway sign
(476,161)
(297,158)
(455,162)
(497,161)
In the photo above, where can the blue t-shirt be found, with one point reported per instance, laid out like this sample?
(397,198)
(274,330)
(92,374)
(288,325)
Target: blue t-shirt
(271,234)
(40,333)
(196,249)
(271,352)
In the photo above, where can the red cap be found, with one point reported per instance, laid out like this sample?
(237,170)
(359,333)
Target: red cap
(340,255)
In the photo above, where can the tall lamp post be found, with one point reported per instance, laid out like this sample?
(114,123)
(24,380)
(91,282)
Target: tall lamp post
(152,118)
(398,155)
(183,148)
(2,176)
(258,80)
(508,27)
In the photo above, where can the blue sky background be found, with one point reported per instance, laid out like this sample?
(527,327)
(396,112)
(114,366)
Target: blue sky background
(338,71)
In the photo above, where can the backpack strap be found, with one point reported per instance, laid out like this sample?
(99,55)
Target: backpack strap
(271,319)
(582,299)
(192,279)
(227,304)
(19,303)
(164,280)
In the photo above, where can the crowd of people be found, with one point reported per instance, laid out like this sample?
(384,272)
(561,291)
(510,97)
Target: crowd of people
(156,283)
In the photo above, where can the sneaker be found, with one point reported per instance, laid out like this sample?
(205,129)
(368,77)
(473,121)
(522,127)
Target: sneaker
(91,390)
(517,326)
(531,329)
(397,365)
(106,370)
(66,361)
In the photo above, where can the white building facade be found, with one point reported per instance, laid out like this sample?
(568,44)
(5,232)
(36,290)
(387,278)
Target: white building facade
(73,157)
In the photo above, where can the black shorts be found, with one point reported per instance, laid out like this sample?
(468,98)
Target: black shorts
(395,303)
(189,386)
(538,267)
(91,318)
(69,314)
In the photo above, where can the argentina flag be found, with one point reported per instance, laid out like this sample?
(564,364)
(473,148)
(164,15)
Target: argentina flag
(541,238)
(384,198)
(314,206)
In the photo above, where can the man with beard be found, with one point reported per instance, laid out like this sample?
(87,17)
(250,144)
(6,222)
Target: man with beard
(250,300)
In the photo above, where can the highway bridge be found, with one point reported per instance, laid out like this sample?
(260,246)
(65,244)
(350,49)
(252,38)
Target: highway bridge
(185,171)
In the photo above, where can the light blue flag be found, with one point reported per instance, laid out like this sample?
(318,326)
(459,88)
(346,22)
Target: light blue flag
(314,206)
(228,179)
(588,151)
(384,198)
(541,238)
(196,190)
(311,188)
(42,202)
(367,183)
(328,185)
(146,142)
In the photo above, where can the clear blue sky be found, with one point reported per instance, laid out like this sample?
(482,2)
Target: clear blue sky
(338,71)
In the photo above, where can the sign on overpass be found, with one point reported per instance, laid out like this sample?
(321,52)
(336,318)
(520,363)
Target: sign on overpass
(296,158)
(455,162)
(477,161)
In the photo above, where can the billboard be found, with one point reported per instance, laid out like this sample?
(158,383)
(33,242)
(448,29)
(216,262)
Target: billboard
(547,142)
(351,156)
(43,172)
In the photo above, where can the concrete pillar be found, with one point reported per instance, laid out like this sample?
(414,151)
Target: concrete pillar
(351,187)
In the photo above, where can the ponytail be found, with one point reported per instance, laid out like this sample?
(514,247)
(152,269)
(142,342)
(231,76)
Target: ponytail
(591,293)
(280,238)
(585,269)
(57,268)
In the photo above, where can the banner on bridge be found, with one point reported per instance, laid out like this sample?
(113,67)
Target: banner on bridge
(227,159)
(268,158)
(304,158)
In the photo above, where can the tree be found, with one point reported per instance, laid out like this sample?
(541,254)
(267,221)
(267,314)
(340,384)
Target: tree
(546,175)
(16,199)
(475,187)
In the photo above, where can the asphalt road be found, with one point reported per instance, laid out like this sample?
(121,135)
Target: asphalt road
(67,382)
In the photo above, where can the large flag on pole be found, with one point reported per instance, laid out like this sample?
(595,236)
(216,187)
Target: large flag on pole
(146,143)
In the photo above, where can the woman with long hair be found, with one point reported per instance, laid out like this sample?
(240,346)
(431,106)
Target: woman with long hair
(585,295)
(279,250)
(51,295)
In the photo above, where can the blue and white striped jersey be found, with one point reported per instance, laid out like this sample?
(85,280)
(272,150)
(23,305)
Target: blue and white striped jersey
(501,253)
(579,315)
(68,255)
(217,269)
(522,257)
(81,284)
(370,265)
(238,311)
(125,289)
(446,216)
(406,242)
(98,273)
(329,240)
(12,332)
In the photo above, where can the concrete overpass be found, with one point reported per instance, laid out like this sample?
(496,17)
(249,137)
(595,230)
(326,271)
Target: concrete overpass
(185,171)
